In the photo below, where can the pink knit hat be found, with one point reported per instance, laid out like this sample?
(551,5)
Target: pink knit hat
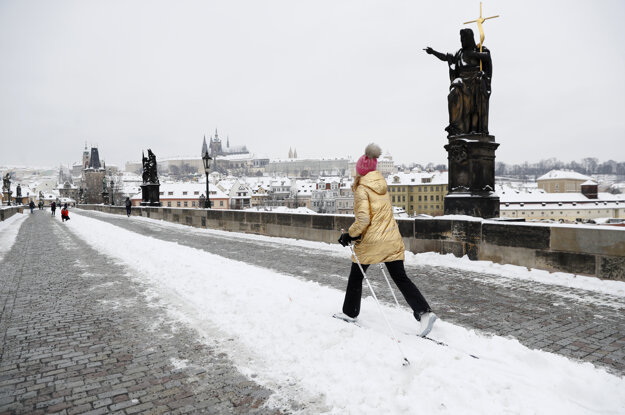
(368,162)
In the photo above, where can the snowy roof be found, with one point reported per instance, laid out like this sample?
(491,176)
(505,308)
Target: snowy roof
(284,209)
(563,174)
(589,183)
(425,178)
(192,190)
(510,195)
(245,156)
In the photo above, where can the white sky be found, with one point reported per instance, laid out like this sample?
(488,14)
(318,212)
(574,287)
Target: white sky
(323,76)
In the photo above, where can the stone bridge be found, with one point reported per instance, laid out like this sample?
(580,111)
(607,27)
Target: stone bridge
(63,349)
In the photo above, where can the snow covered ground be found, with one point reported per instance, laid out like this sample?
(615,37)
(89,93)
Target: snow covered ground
(285,338)
(8,232)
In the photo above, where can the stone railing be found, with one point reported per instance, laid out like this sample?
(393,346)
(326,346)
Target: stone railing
(7,211)
(578,249)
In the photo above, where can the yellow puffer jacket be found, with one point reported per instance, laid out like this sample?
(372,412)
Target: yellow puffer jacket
(380,240)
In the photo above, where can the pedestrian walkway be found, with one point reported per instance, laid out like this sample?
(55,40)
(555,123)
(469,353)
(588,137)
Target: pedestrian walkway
(78,335)
(575,323)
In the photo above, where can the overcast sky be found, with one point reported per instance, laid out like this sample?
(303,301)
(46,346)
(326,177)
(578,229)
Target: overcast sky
(323,76)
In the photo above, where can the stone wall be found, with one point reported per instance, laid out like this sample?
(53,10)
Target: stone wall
(568,248)
(7,211)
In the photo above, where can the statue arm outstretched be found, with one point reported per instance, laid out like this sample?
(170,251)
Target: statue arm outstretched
(441,56)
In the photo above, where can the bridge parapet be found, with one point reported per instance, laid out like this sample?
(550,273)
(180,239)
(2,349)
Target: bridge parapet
(578,249)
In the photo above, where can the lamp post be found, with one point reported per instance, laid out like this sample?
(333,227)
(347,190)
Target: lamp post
(112,192)
(206,159)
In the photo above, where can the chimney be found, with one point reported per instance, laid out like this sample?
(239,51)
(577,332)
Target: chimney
(590,189)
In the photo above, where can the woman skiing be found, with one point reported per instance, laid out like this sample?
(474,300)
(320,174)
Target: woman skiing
(378,240)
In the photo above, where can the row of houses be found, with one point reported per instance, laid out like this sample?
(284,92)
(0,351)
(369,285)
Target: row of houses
(324,195)
(415,193)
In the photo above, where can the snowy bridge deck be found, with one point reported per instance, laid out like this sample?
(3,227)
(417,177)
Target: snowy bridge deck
(107,313)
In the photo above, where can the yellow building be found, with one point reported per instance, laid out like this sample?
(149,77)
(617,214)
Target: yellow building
(562,181)
(418,193)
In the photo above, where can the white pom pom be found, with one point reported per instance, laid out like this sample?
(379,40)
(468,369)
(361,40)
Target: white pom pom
(373,151)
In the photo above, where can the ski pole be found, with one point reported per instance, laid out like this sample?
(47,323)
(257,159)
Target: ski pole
(389,283)
(364,274)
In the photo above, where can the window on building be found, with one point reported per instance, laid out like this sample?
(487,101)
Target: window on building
(411,198)
(193,204)
(184,193)
(170,193)
(438,206)
(221,203)
(431,188)
(437,197)
(178,204)
(419,198)
(161,193)
(420,189)
(185,204)
(403,198)
(393,198)
(196,193)
(168,204)
(437,188)
(431,197)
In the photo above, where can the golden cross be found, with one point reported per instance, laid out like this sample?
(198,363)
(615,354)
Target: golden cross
(479,22)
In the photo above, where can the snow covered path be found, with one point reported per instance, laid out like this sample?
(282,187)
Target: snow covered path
(577,317)
(286,339)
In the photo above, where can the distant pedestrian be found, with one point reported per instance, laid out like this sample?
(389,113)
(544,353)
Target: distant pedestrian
(31,205)
(128,206)
(64,213)
(40,205)
(53,208)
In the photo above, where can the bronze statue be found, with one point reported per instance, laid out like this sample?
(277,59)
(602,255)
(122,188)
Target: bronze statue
(470,73)
(18,191)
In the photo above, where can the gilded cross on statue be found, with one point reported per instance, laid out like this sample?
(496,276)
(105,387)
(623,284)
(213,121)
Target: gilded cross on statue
(479,22)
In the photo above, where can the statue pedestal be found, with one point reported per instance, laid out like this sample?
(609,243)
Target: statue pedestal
(150,195)
(7,197)
(471,189)
(19,201)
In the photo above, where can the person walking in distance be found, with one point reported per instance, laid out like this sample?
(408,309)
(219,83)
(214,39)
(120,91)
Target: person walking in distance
(53,208)
(378,240)
(64,213)
(128,206)
(31,205)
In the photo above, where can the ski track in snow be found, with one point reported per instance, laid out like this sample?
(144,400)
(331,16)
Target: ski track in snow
(284,334)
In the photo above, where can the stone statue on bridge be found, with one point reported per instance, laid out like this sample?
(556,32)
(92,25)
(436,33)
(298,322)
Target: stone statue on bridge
(6,182)
(470,73)
(150,187)
(150,173)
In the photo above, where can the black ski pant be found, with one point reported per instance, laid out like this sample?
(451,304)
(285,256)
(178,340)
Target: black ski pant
(416,301)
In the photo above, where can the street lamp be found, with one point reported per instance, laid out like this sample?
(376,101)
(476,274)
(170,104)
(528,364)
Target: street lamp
(112,192)
(206,159)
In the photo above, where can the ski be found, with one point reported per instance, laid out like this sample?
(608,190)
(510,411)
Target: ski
(346,319)
(440,343)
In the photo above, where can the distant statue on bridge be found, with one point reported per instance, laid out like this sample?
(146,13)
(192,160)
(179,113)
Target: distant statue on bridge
(150,173)
(6,182)
(18,191)
(470,73)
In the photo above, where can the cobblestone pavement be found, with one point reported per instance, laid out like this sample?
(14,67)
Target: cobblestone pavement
(77,335)
(575,323)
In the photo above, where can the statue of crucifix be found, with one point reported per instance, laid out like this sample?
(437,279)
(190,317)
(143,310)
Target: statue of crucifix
(479,22)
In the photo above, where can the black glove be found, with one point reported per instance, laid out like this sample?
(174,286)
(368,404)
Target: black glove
(345,239)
